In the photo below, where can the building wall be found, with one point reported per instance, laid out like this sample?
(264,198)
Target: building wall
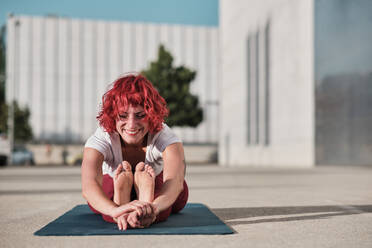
(60,67)
(343,77)
(267,91)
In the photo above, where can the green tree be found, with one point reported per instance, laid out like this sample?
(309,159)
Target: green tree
(22,128)
(3,118)
(173,83)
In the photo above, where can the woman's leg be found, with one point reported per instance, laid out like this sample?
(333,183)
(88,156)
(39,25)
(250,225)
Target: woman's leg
(118,188)
(146,192)
(148,188)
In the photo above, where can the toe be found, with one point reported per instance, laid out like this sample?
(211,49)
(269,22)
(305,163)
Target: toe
(140,166)
(119,169)
(126,166)
(150,170)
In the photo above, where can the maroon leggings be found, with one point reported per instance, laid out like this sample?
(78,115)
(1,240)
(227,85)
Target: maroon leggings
(178,205)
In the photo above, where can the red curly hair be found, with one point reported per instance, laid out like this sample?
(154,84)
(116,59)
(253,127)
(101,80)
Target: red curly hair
(135,90)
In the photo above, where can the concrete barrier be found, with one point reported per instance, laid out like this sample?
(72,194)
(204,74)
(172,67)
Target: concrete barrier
(70,154)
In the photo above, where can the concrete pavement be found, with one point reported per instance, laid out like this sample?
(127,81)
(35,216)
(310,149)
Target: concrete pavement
(319,207)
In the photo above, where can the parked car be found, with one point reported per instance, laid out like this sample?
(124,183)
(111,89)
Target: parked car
(21,155)
(4,150)
(77,159)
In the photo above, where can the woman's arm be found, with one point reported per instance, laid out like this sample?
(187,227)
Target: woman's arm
(91,182)
(173,176)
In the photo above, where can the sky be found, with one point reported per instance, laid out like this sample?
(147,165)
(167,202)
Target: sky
(189,12)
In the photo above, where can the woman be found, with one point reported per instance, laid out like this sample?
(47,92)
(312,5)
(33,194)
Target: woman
(133,166)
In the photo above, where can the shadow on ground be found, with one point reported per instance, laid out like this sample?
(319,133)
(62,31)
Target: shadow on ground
(233,216)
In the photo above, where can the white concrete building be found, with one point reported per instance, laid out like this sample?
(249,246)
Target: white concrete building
(60,67)
(286,67)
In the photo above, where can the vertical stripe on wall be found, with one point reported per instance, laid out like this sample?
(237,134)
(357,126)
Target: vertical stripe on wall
(262,87)
(183,59)
(30,63)
(182,46)
(42,80)
(257,89)
(253,54)
(82,115)
(267,84)
(94,65)
(209,103)
(133,48)
(248,92)
(196,63)
(56,73)
(107,53)
(170,38)
(145,53)
(157,38)
(68,80)
(120,48)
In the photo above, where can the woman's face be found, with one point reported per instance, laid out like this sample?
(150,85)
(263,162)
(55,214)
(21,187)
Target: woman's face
(131,125)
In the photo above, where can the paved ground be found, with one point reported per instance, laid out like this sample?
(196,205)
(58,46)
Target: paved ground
(320,207)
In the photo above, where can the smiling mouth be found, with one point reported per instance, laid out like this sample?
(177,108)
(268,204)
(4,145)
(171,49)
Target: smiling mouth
(132,132)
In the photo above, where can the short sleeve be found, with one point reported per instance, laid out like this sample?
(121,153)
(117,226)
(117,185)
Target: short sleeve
(166,137)
(100,141)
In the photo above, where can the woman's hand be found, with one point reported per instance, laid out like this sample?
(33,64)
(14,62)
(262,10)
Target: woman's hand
(136,221)
(122,222)
(136,210)
(147,221)
(133,221)
(137,206)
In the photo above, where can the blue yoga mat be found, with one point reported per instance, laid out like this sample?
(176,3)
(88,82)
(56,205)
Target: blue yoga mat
(195,218)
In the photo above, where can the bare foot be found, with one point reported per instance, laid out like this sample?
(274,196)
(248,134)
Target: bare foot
(123,183)
(144,182)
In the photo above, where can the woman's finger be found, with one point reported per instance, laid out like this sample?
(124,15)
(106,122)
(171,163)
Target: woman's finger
(144,210)
(138,209)
(135,220)
(119,223)
(145,207)
(149,210)
(125,224)
(127,208)
(152,207)
(132,220)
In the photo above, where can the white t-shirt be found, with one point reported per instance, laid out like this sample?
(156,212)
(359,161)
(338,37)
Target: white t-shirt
(110,147)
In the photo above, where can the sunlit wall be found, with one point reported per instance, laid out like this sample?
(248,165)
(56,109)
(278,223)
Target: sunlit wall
(296,85)
(267,96)
(60,67)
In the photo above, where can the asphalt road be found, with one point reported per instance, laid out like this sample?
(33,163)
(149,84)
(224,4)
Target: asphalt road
(319,207)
